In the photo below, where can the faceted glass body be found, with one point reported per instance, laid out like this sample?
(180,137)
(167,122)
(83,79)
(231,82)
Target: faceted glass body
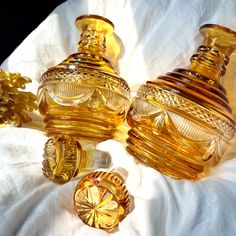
(84,95)
(101,200)
(65,159)
(181,122)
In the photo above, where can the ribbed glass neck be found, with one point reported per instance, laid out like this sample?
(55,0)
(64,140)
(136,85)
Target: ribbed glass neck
(92,42)
(213,55)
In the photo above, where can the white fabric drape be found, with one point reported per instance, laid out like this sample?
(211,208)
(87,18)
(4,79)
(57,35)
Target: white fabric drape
(158,36)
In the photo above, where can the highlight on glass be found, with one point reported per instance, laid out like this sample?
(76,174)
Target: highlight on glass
(181,123)
(84,96)
(101,199)
(64,159)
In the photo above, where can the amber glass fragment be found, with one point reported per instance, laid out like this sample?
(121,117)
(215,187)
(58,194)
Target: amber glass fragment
(84,95)
(101,200)
(14,102)
(65,159)
(181,122)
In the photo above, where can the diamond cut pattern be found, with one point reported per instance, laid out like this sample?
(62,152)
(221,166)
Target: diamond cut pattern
(102,79)
(174,101)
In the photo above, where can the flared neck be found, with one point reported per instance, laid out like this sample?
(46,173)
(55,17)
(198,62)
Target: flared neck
(213,55)
(94,31)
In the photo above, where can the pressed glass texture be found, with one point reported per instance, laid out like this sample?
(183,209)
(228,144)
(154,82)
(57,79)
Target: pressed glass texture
(181,122)
(65,159)
(84,96)
(101,200)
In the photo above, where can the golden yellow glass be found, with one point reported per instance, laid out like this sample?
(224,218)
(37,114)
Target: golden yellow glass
(65,159)
(14,102)
(181,122)
(101,199)
(84,96)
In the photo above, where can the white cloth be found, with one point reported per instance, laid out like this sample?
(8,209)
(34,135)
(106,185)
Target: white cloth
(158,35)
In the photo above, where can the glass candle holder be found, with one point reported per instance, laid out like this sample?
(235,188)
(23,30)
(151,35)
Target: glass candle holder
(84,96)
(181,123)
(101,199)
(65,159)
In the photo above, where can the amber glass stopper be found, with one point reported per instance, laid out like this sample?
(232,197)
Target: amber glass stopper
(65,159)
(101,200)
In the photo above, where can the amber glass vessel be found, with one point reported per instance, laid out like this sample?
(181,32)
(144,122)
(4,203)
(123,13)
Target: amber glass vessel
(65,159)
(101,199)
(181,122)
(84,96)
